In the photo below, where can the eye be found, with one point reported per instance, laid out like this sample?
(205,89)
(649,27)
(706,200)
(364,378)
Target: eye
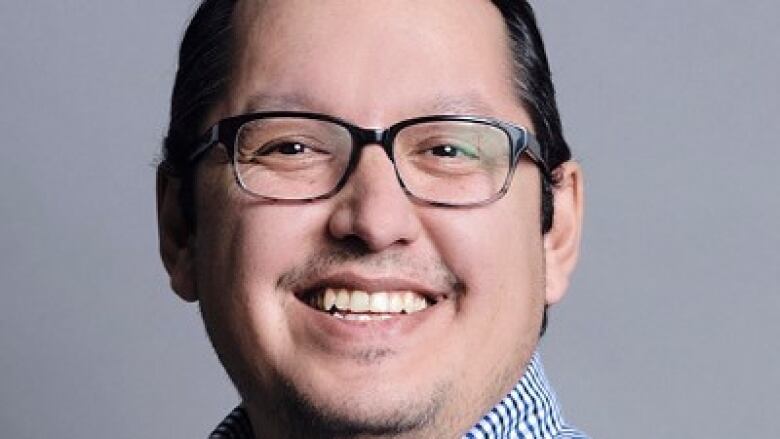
(453,151)
(284,152)
(284,148)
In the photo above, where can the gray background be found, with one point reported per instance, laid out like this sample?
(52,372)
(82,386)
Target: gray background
(670,328)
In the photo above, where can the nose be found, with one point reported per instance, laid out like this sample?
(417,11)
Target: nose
(373,206)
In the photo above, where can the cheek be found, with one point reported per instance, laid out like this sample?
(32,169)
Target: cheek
(243,246)
(247,250)
(497,253)
(245,241)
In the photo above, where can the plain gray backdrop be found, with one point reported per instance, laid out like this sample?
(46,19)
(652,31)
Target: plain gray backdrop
(670,328)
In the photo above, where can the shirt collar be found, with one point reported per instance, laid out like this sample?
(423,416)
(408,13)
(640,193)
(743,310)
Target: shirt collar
(529,411)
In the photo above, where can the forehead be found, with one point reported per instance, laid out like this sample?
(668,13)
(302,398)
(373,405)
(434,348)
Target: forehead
(372,61)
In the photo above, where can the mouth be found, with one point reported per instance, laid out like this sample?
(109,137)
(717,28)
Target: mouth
(366,306)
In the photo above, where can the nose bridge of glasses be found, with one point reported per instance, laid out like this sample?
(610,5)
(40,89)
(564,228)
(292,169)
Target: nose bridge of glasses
(372,136)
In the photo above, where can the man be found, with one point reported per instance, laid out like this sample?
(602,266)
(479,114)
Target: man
(360,196)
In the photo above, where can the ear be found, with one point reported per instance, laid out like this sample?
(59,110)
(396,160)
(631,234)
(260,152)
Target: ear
(562,242)
(175,237)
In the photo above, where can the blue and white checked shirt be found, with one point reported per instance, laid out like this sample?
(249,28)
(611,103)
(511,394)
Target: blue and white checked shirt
(529,411)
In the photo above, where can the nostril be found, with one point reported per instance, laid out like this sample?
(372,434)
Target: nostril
(352,247)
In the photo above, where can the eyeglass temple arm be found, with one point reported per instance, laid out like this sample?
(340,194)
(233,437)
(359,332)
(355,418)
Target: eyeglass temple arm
(534,150)
(209,139)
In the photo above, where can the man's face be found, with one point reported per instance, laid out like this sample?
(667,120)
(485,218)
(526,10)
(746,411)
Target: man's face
(257,263)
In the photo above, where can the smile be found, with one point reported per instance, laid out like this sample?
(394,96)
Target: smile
(361,305)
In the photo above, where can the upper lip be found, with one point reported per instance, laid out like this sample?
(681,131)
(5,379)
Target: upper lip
(354,281)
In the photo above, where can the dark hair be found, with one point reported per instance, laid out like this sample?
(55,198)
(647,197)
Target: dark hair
(534,87)
(205,61)
(202,79)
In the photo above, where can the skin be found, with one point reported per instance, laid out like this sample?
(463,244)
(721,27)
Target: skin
(431,375)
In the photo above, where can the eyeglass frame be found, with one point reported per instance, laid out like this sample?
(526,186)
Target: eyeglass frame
(226,131)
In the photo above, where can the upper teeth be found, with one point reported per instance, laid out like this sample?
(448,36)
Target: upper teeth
(357,301)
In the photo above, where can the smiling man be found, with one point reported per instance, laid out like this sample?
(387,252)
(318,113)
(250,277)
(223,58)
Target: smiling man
(373,204)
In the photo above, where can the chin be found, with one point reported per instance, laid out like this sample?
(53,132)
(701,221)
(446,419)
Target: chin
(325,408)
(365,411)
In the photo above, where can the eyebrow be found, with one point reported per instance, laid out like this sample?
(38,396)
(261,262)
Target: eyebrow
(461,104)
(274,102)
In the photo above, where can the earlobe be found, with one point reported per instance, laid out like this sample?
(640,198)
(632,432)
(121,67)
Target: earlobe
(562,242)
(176,249)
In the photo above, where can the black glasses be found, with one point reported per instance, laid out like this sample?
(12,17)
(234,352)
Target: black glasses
(439,160)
